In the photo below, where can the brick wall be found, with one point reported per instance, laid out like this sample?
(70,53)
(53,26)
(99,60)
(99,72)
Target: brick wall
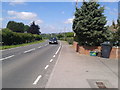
(114,54)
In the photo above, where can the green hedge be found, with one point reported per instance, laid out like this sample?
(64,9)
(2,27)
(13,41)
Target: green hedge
(13,38)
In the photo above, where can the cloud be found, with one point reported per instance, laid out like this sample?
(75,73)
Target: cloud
(1,19)
(17,2)
(22,15)
(69,21)
(48,29)
(63,12)
(38,21)
(107,8)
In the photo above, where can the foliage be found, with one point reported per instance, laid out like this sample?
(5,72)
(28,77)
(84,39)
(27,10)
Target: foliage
(16,27)
(13,38)
(89,24)
(26,28)
(34,29)
(116,37)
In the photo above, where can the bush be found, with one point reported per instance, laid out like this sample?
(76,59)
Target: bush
(13,38)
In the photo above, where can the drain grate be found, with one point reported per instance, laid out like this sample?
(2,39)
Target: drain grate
(100,84)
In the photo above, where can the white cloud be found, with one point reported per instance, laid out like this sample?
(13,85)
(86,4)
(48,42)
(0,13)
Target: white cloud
(38,21)
(69,21)
(107,8)
(48,29)
(22,15)
(17,2)
(1,19)
(63,12)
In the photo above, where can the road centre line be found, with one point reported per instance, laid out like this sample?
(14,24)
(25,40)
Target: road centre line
(36,81)
(54,56)
(58,50)
(7,57)
(46,66)
(46,44)
(29,50)
(39,47)
(51,60)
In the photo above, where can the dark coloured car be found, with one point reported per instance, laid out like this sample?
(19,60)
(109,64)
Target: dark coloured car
(53,41)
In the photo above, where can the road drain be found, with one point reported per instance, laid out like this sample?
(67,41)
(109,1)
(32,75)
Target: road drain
(100,84)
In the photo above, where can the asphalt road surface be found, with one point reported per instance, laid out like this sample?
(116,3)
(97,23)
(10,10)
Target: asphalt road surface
(28,66)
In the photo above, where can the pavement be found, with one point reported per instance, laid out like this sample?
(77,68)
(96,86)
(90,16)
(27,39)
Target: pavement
(73,70)
(29,66)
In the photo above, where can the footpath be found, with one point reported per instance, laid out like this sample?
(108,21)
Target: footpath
(73,70)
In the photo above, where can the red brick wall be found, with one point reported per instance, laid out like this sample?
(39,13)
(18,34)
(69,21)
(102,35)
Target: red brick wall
(114,54)
(86,49)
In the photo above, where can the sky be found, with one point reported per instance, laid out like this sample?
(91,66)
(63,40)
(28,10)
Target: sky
(52,17)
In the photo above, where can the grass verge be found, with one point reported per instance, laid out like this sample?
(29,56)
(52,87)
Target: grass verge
(19,45)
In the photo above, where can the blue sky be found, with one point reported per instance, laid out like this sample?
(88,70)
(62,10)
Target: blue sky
(52,17)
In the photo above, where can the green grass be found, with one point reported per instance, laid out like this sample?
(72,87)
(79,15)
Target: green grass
(19,45)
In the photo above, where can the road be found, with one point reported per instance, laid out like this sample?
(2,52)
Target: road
(28,66)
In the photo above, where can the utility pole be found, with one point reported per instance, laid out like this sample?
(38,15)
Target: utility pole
(76,3)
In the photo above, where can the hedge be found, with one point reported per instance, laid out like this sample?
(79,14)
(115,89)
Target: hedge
(13,38)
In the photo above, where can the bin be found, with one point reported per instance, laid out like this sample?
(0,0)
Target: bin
(106,49)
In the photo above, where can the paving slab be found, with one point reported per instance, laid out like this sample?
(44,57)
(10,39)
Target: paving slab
(74,70)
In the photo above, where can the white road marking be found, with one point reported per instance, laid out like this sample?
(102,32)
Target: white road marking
(36,81)
(7,57)
(29,50)
(54,56)
(46,44)
(51,60)
(39,47)
(46,66)
(58,50)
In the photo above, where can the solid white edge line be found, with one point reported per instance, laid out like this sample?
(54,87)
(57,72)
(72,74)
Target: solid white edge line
(36,81)
(51,60)
(29,50)
(7,57)
(46,66)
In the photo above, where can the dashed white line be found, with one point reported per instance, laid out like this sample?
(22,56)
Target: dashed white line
(39,47)
(54,56)
(36,81)
(46,44)
(7,57)
(46,66)
(58,50)
(51,60)
(29,50)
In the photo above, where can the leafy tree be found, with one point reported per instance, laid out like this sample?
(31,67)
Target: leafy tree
(113,23)
(89,24)
(117,34)
(16,27)
(34,29)
(26,28)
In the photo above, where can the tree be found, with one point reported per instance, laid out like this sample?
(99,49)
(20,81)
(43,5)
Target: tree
(89,24)
(34,29)
(113,24)
(16,27)
(26,28)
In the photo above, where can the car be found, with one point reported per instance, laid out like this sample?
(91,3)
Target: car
(53,41)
